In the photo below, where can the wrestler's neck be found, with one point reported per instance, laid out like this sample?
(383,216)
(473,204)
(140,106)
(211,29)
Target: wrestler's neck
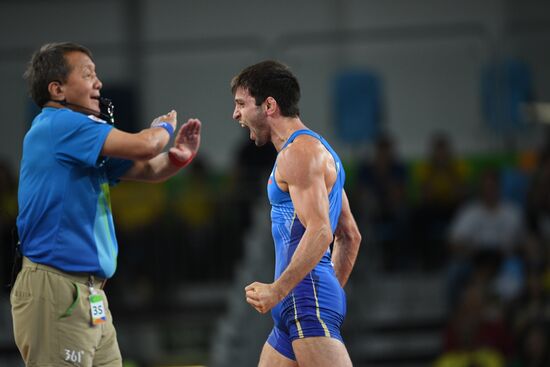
(282,128)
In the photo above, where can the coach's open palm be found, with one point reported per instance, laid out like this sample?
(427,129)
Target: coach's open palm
(188,140)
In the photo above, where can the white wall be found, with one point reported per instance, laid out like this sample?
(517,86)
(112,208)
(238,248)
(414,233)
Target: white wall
(429,53)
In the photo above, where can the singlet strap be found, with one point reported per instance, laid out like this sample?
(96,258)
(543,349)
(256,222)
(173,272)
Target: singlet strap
(291,138)
(327,146)
(297,133)
(339,171)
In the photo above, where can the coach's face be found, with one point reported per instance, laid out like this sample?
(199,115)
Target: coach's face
(82,85)
(249,115)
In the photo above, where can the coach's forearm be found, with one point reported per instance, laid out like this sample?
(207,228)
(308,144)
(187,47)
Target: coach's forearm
(162,168)
(157,169)
(309,252)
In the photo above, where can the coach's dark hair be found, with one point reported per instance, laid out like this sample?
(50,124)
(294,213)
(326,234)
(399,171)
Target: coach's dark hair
(48,64)
(270,79)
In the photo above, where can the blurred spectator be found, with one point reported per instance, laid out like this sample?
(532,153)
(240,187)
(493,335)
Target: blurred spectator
(479,358)
(532,305)
(441,183)
(538,199)
(534,253)
(249,177)
(485,232)
(381,187)
(250,173)
(8,213)
(139,209)
(534,347)
(193,239)
(476,334)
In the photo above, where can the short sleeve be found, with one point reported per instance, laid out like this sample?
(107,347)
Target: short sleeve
(116,168)
(78,139)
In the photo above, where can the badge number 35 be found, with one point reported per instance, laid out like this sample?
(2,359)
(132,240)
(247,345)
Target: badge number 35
(97,309)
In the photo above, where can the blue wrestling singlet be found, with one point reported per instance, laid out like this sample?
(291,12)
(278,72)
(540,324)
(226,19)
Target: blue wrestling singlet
(317,305)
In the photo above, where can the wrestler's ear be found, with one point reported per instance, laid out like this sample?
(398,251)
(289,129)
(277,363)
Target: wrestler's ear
(270,105)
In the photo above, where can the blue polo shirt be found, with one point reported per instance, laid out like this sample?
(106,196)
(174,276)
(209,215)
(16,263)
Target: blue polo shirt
(65,218)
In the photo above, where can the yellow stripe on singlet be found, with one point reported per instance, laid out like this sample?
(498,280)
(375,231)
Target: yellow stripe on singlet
(327,332)
(298,326)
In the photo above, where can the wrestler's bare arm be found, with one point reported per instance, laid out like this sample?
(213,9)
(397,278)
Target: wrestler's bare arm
(347,239)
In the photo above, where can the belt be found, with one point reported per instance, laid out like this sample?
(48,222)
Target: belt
(84,278)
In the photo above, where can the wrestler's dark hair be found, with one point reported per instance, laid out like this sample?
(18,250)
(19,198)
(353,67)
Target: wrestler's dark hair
(270,79)
(48,64)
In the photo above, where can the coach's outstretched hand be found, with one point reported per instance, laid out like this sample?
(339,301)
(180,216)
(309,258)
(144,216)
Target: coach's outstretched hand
(188,140)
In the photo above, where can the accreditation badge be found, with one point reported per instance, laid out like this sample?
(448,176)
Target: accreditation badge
(97,307)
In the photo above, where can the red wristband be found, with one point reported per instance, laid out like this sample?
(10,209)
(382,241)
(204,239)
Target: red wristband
(176,162)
